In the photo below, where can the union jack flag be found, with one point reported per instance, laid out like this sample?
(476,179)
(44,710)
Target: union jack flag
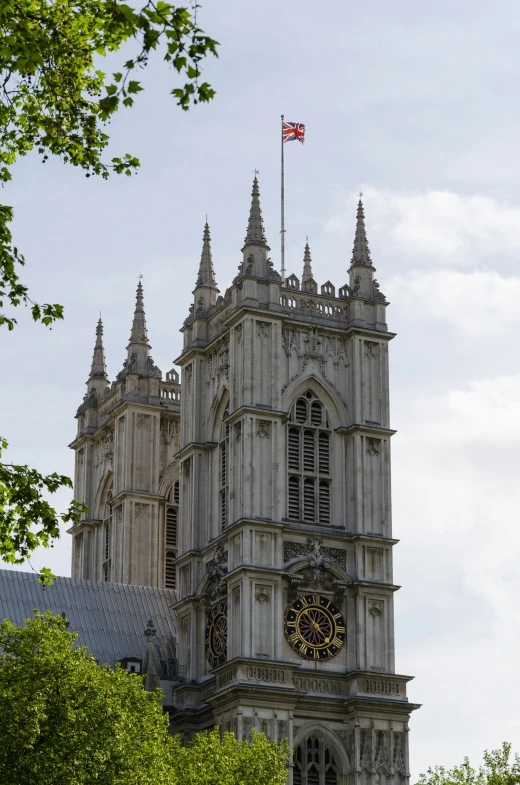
(293,131)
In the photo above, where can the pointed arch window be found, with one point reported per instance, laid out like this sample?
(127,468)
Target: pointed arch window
(314,763)
(107,538)
(171,536)
(309,461)
(224,471)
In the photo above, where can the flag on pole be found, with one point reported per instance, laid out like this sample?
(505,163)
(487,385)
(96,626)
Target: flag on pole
(292,132)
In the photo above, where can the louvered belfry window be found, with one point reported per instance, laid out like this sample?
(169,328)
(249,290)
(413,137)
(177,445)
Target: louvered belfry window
(308,462)
(107,538)
(224,471)
(172,519)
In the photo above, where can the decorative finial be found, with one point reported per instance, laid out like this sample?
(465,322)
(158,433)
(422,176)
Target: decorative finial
(361,250)
(150,630)
(206,276)
(256,171)
(360,194)
(255,227)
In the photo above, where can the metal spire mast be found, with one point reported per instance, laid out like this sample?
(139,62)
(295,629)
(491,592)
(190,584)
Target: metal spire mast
(282,232)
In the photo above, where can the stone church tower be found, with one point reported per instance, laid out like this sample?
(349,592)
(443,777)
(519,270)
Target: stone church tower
(262,495)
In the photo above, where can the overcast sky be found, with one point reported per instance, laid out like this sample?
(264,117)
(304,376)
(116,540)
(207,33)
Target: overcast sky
(415,104)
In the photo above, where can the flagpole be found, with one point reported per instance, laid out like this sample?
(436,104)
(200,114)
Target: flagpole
(283,214)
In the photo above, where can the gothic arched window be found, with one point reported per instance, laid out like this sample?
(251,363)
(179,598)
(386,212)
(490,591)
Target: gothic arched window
(308,461)
(224,470)
(314,763)
(107,537)
(170,538)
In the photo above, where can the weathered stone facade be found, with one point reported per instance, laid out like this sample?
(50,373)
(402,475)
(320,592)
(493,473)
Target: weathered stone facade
(268,480)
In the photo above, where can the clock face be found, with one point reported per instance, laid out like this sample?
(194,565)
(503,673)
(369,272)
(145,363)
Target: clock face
(216,635)
(314,627)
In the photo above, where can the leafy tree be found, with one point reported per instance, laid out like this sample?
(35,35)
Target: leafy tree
(55,99)
(66,720)
(22,505)
(212,759)
(499,768)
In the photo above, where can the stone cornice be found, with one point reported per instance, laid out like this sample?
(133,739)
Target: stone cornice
(144,495)
(191,447)
(369,428)
(256,410)
(81,525)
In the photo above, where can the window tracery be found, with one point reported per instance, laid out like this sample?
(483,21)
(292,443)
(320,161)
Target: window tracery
(308,461)
(314,763)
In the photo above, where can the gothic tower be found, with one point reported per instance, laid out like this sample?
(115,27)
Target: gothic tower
(285,590)
(128,433)
(262,495)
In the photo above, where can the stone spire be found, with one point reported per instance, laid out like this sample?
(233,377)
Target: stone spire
(255,260)
(138,358)
(206,275)
(205,292)
(255,227)
(138,334)
(307,265)
(361,251)
(97,381)
(98,369)
(361,272)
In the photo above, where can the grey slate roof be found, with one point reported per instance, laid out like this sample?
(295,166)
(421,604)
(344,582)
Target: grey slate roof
(110,618)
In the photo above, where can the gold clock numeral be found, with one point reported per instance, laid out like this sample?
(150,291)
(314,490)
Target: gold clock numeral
(294,638)
(316,654)
(337,642)
(340,629)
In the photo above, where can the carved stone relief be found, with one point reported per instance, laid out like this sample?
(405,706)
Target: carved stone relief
(281,733)
(216,569)
(375,607)
(262,594)
(365,750)
(398,761)
(263,428)
(381,754)
(373,446)
(371,348)
(218,362)
(316,552)
(247,725)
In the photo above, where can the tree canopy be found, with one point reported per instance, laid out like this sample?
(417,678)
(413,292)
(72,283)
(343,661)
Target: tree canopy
(65,720)
(499,767)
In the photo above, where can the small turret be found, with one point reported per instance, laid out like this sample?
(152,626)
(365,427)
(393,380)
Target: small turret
(255,248)
(98,379)
(361,272)
(308,282)
(138,350)
(206,291)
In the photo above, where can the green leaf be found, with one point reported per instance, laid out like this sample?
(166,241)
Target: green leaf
(134,87)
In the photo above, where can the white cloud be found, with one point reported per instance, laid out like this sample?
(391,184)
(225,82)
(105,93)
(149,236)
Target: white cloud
(456,498)
(438,225)
(478,303)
